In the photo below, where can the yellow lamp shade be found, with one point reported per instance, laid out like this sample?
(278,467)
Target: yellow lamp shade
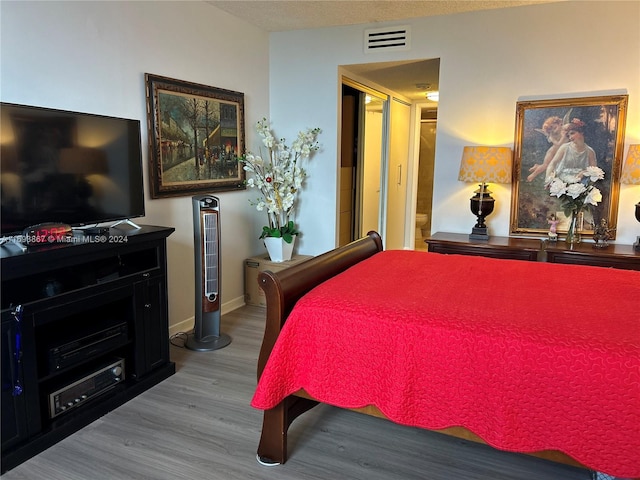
(485,164)
(631,170)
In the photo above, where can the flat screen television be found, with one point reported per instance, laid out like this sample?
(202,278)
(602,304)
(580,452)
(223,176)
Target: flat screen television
(75,168)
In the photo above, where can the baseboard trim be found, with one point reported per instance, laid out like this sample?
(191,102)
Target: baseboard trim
(187,324)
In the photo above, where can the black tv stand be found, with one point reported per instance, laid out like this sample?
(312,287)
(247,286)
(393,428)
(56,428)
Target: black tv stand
(92,333)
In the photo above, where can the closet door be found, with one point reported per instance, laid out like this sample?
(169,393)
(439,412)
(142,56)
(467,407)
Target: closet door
(399,133)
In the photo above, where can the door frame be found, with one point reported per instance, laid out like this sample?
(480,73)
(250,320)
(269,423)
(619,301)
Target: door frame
(346,77)
(414,165)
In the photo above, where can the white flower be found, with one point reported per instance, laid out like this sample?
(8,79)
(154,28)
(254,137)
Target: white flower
(268,142)
(593,197)
(594,174)
(574,190)
(279,175)
(577,190)
(570,178)
(557,188)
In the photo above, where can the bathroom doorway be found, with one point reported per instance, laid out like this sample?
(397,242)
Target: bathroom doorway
(426,161)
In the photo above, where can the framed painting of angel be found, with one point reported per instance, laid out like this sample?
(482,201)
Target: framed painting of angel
(565,136)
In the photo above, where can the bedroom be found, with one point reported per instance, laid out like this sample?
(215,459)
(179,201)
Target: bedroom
(91,56)
(87,56)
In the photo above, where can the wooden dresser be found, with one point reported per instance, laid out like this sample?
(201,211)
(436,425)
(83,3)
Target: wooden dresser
(496,247)
(615,255)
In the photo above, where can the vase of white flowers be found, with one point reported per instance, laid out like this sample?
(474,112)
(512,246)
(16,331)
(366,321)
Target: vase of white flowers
(573,231)
(576,191)
(279,175)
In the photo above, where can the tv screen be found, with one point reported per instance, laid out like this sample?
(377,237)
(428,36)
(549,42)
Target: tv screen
(69,167)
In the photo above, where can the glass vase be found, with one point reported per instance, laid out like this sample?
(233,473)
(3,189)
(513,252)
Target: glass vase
(573,233)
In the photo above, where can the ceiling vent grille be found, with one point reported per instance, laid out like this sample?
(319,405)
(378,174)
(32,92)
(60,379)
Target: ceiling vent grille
(388,38)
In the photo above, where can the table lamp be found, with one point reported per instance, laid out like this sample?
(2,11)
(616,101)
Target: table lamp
(631,176)
(484,164)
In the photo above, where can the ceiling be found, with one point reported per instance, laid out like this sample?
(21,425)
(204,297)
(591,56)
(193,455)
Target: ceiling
(412,79)
(407,78)
(279,16)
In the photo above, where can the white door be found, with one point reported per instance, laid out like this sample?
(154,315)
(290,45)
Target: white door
(397,168)
(371,166)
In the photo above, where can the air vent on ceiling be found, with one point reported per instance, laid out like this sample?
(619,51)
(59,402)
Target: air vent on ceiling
(387,38)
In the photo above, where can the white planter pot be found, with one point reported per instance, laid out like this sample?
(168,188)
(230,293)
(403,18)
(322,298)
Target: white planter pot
(279,250)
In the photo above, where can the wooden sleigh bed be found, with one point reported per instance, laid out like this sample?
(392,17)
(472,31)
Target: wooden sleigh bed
(522,356)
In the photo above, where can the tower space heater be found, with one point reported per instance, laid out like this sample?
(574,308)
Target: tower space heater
(206,334)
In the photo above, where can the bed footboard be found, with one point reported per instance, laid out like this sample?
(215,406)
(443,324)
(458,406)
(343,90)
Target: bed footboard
(282,290)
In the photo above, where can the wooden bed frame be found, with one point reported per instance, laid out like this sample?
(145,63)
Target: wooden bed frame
(282,290)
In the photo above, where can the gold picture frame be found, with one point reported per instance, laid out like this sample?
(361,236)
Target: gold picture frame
(537,139)
(196,134)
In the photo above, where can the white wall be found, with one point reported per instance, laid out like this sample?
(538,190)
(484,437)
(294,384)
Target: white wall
(489,61)
(92,57)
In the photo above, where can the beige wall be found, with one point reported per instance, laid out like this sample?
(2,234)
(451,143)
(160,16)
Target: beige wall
(92,57)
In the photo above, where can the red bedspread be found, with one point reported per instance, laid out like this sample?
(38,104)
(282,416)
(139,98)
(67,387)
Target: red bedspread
(529,356)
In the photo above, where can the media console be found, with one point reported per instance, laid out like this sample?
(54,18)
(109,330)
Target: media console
(84,330)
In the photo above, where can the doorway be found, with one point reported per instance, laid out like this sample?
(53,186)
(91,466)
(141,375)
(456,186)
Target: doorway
(403,87)
(424,192)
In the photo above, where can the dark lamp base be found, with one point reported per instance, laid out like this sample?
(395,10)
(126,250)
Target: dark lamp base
(479,233)
(636,245)
(481,204)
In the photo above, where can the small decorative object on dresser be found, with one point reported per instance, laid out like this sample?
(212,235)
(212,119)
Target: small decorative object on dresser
(279,176)
(577,192)
(553,228)
(602,234)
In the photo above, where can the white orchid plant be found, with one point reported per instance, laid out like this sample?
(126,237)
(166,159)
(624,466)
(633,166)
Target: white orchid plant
(279,176)
(577,191)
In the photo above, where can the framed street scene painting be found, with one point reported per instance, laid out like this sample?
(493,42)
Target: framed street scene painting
(560,139)
(196,134)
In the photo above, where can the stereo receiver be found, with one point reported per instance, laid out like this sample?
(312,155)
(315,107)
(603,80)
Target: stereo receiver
(84,389)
